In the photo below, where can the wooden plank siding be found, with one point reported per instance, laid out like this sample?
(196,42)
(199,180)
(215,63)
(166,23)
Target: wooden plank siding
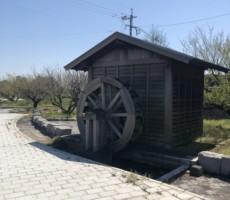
(187,108)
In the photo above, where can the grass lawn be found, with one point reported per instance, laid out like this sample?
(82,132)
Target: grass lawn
(215,138)
(223,149)
(47,109)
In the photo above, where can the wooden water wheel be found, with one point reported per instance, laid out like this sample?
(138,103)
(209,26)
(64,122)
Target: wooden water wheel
(106,115)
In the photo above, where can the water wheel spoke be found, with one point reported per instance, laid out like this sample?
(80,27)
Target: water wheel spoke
(117,105)
(119,115)
(92,101)
(118,123)
(114,100)
(115,129)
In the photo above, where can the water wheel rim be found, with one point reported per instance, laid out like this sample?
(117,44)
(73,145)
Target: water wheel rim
(126,99)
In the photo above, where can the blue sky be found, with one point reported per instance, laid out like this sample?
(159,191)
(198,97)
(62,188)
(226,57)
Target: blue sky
(44,33)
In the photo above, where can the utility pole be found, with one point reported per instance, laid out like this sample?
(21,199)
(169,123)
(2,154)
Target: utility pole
(130,18)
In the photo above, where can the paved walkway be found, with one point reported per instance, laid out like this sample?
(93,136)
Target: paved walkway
(29,170)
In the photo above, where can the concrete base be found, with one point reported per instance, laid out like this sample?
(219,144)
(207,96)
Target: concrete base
(155,159)
(211,162)
(225,166)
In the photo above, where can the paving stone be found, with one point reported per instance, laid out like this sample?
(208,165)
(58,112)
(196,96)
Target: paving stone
(90,196)
(29,197)
(77,194)
(121,196)
(46,195)
(95,190)
(35,191)
(59,197)
(65,191)
(15,195)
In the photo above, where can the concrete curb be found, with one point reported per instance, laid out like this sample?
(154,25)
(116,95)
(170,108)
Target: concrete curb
(50,128)
(214,163)
(171,176)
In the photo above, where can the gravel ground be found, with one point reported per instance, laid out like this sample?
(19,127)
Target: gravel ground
(212,187)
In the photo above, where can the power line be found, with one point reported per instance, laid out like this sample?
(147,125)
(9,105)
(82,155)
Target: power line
(193,21)
(117,4)
(105,8)
(51,16)
(52,35)
(92,7)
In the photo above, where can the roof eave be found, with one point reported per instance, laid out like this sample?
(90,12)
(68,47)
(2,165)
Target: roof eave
(84,61)
(208,65)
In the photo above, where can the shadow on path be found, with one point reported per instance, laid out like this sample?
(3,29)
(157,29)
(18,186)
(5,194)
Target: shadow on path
(64,155)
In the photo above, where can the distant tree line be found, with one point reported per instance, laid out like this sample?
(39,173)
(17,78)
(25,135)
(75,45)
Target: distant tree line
(62,88)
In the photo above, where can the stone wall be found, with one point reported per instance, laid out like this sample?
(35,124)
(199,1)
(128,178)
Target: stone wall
(52,129)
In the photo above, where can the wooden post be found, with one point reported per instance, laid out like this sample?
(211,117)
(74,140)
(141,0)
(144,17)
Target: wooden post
(88,134)
(168,106)
(96,135)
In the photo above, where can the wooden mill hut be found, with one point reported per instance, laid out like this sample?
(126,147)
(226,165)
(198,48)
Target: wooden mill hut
(169,86)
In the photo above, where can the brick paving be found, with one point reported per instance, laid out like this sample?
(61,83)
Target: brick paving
(30,170)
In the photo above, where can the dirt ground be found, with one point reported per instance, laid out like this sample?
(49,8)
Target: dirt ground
(211,187)
(26,127)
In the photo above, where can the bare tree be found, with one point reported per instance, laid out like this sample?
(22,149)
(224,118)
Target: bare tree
(63,88)
(208,45)
(157,36)
(11,87)
(33,88)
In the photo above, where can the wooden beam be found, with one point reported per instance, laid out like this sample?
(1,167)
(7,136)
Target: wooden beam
(128,62)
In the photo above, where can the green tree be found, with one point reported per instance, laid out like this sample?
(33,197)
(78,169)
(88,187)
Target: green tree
(217,92)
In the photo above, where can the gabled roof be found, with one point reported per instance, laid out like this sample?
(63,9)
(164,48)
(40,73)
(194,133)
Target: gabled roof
(83,61)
